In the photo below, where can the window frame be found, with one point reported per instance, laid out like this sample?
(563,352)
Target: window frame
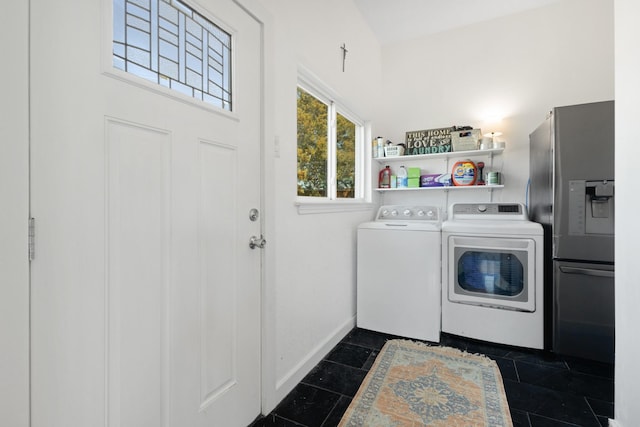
(108,69)
(335,106)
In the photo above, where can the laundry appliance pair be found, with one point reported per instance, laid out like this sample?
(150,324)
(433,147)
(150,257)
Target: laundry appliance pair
(478,274)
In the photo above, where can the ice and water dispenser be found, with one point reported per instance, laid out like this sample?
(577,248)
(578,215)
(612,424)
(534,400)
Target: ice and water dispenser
(591,207)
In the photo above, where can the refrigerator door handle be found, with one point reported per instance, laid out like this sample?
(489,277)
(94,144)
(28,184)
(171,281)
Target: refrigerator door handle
(587,271)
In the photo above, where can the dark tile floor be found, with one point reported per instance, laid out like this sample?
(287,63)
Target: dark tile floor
(543,389)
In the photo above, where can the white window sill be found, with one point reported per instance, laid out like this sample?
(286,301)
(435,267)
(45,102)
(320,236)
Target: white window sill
(334,206)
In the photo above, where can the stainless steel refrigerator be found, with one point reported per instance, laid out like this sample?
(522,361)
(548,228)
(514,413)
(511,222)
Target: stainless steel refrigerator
(571,193)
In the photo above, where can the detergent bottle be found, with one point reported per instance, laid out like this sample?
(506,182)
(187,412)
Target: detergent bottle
(384,178)
(402,177)
(464,173)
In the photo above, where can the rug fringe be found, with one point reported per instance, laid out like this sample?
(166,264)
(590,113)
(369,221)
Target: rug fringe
(441,348)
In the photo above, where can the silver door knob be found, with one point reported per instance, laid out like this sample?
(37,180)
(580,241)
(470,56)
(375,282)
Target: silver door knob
(257,242)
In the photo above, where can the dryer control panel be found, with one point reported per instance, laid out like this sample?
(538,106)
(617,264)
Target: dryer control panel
(503,211)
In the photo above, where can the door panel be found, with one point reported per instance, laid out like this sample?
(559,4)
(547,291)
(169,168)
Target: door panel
(584,310)
(145,294)
(219,369)
(14,194)
(138,239)
(584,144)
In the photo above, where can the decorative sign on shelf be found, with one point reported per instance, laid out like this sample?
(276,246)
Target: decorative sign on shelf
(430,141)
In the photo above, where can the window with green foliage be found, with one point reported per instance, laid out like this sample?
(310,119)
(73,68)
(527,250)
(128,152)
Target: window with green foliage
(313,135)
(329,146)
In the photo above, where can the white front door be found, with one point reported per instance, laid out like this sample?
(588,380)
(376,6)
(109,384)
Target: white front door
(145,293)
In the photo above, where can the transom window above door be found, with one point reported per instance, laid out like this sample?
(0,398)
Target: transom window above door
(171,44)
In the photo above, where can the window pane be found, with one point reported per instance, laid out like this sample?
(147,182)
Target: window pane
(312,145)
(345,158)
(494,273)
(167,42)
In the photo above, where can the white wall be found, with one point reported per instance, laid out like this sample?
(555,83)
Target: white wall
(311,287)
(627,62)
(518,67)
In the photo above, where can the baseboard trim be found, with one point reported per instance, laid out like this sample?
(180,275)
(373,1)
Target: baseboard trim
(285,384)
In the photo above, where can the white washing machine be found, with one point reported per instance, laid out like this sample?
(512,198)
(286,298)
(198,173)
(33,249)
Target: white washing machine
(398,267)
(492,274)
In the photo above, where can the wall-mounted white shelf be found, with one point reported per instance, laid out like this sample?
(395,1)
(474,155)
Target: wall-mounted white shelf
(449,188)
(462,154)
(448,158)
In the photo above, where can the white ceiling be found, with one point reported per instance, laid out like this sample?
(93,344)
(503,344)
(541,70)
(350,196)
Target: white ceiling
(398,20)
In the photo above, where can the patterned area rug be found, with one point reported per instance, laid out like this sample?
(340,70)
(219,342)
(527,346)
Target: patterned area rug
(412,384)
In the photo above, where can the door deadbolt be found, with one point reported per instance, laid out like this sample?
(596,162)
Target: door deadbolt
(254,214)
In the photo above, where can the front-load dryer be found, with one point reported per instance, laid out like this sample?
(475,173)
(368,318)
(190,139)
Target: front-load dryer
(492,274)
(398,272)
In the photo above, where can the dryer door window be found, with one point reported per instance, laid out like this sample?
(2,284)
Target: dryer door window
(496,272)
(492,273)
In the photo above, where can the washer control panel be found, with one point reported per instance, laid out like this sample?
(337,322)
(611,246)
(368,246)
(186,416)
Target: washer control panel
(408,213)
